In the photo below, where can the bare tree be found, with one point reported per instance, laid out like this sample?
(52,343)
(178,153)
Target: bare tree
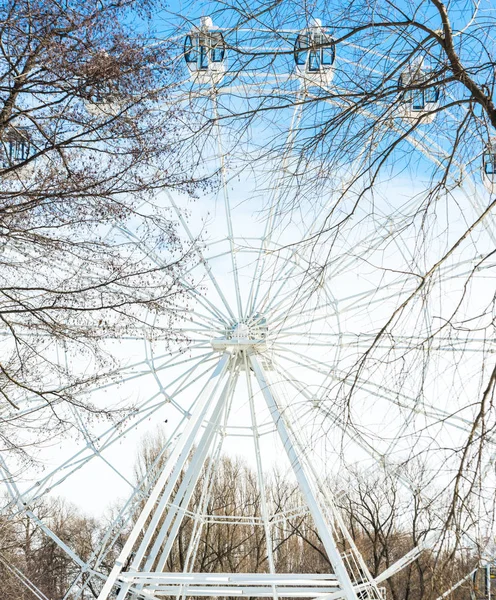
(422,67)
(30,561)
(88,137)
(386,521)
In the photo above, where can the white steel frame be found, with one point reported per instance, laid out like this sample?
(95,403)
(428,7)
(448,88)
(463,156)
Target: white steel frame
(226,351)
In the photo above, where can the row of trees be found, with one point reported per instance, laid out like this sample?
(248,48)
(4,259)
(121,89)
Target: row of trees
(372,504)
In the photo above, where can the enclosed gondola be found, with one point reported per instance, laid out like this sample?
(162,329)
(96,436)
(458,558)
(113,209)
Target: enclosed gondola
(489,167)
(314,55)
(419,97)
(205,53)
(101,101)
(15,151)
(100,85)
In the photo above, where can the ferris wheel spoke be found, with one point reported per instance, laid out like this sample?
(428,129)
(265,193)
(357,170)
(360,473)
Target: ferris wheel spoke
(215,318)
(215,313)
(121,371)
(448,274)
(285,274)
(306,288)
(83,456)
(90,444)
(409,403)
(271,294)
(227,208)
(195,326)
(178,358)
(205,261)
(362,341)
(185,380)
(444,345)
(287,307)
(186,375)
(274,201)
(145,372)
(304,360)
(123,379)
(288,327)
(393,396)
(473,197)
(203,321)
(373,242)
(220,316)
(149,362)
(339,265)
(310,278)
(115,433)
(277,310)
(285,325)
(200,335)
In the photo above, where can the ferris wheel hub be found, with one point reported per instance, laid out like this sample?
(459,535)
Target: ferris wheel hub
(249,334)
(224,344)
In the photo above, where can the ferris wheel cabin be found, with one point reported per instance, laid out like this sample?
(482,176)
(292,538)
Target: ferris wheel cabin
(101,102)
(489,167)
(205,53)
(418,102)
(100,94)
(314,54)
(15,150)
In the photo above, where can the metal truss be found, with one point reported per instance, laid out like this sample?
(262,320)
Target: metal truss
(158,524)
(272,336)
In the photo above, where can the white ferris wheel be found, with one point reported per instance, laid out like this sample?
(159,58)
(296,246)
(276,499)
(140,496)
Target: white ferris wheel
(274,333)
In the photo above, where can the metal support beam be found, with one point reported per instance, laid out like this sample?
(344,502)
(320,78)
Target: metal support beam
(305,483)
(168,477)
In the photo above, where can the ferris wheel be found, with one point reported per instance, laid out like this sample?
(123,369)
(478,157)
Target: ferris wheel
(270,364)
